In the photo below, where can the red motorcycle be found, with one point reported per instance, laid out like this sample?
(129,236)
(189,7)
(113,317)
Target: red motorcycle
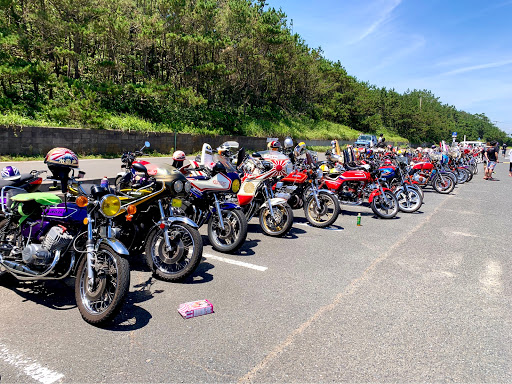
(321,207)
(355,185)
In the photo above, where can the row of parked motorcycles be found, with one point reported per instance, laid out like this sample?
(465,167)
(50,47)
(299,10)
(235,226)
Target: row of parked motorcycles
(156,210)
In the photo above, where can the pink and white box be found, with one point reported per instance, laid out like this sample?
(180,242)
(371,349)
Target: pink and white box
(195,308)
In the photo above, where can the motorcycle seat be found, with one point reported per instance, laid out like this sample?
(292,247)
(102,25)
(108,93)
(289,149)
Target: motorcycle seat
(18,181)
(355,167)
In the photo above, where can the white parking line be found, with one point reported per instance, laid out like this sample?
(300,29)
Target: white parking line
(235,262)
(327,228)
(30,367)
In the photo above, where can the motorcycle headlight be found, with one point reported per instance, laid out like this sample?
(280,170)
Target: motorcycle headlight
(178,186)
(110,205)
(188,187)
(235,187)
(289,167)
(319,173)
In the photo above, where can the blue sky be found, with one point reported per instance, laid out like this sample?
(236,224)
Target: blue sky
(461,50)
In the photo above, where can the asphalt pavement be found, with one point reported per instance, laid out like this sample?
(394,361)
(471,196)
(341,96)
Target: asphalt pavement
(424,297)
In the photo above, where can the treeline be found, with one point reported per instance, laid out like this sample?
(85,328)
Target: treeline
(211,65)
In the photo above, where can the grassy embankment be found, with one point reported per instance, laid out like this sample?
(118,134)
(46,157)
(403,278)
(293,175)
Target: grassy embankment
(302,129)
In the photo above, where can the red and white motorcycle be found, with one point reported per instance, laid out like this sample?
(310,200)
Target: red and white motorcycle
(256,195)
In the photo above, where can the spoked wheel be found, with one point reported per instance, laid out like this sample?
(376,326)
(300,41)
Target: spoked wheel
(100,303)
(408,201)
(10,234)
(182,259)
(385,209)
(444,185)
(232,236)
(323,214)
(279,224)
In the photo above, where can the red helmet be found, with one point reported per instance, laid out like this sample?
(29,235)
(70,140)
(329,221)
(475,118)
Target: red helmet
(179,156)
(274,145)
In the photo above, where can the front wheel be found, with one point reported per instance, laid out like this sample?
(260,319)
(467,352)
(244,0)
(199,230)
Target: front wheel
(408,201)
(279,224)
(232,236)
(444,185)
(100,303)
(323,214)
(385,209)
(182,259)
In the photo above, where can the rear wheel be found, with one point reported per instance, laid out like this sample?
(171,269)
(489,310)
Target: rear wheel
(182,259)
(387,208)
(408,201)
(99,304)
(279,224)
(323,214)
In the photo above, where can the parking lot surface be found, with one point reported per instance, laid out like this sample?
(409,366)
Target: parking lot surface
(424,297)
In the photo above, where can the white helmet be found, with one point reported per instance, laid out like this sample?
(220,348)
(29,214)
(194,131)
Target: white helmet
(288,142)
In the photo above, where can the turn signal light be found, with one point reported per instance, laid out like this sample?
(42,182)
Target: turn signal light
(162,225)
(82,201)
(131,210)
(86,221)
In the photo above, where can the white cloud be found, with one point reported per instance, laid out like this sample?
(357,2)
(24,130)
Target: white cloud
(472,68)
(382,18)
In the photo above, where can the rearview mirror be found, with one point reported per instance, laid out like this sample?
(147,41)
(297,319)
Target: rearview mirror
(147,144)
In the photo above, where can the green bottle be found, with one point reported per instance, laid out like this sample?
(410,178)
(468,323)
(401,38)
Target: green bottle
(359,219)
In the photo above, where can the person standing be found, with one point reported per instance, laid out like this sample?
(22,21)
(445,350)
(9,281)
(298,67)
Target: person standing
(491,155)
(504,148)
(510,166)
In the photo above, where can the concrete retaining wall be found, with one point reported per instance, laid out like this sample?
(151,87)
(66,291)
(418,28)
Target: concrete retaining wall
(39,140)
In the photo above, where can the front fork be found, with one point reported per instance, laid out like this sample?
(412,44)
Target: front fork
(219,212)
(382,191)
(91,255)
(165,225)
(314,191)
(268,197)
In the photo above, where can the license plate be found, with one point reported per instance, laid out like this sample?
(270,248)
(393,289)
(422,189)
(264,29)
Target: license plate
(176,203)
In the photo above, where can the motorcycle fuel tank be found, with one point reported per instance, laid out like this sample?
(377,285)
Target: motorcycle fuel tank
(295,177)
(423,165)
(355,175)
(217,183)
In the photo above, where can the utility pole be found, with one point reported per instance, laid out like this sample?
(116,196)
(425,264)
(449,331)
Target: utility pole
(420,101)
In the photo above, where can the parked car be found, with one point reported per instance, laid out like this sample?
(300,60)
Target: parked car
(366,140)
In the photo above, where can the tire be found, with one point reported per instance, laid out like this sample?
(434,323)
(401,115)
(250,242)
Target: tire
(232,237)
(419,190)
(382,209)
(100,307)
(409,201)
(445,186)
(469,172)
(328,212)
(462,176)
(284,223)
(183,261)
(120,184)
(6,279)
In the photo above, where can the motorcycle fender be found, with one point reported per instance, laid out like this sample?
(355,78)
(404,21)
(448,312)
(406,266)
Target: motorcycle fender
(227,205)
(115,244)
(327,191)
(121,174)
(182,219)
(274,201)
(376,193)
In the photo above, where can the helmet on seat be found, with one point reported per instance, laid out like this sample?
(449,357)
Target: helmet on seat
(274,145)
(178,157)
(288,142)
(300,149)
(60,161)
(10,173)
